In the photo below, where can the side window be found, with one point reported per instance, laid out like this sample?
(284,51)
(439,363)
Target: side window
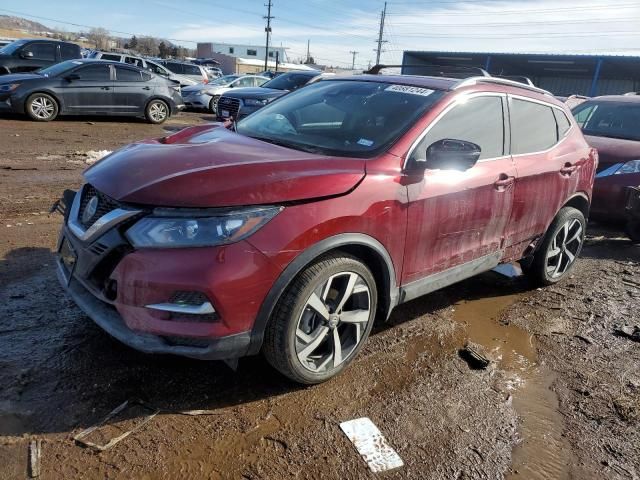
(174,67)
(42,51)
(533,127)
(563,122)
(243,82)
(582,115)
(132,61)
(94,73)
(157,69)
(108,56)
(127,75)
(479,120)
(69,52)
(192,70)
(252,53)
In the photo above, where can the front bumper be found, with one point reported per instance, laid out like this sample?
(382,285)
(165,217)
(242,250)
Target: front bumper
(196,101)
(108,318)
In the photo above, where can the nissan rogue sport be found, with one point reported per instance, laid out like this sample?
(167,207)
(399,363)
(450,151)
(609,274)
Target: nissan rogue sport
(291,231)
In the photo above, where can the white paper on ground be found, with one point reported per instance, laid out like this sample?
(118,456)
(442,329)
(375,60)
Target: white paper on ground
(370,443)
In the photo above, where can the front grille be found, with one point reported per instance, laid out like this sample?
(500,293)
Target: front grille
(105,205)
(232,105)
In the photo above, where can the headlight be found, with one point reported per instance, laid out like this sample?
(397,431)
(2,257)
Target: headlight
(632,166)
(9,87)
(254,102)
(166,229)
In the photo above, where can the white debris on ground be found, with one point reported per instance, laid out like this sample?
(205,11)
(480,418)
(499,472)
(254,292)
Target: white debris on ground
(92,156)
(371,445)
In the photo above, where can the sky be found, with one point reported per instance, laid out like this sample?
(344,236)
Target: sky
(335,28)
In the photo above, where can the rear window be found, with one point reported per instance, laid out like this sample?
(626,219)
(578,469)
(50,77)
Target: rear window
(609,119)
(288,81)
(533,127)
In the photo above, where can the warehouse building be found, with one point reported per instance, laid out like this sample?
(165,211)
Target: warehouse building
(562,75)
(206,50)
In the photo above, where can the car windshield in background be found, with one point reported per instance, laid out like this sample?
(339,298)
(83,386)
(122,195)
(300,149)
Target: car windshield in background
(609,119)
(12,47)
(226,80)
(58,68)
(344,118)
(288,81)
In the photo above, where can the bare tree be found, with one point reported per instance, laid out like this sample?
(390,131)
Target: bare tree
(99,37)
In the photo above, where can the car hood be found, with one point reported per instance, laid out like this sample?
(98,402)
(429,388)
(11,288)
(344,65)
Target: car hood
(210,166)
(19,77)
(614,150)
(255,92)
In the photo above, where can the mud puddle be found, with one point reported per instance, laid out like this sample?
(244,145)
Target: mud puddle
(542,453)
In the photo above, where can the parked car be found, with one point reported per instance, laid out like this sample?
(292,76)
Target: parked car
(195,72)
(145,63)
(322,212)
(207,96)
(213,72)
(239,103)
(612,125)
(27,55)
(90,87)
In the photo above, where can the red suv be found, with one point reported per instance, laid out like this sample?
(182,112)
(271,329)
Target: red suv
(320,213)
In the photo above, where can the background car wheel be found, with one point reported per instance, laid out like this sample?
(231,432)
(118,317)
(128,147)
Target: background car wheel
(560,247)
(322,319)
(213,104)
(632,228)
(157,111)
(42,107)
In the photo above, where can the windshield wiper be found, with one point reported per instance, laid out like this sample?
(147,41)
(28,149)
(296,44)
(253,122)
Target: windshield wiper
(293,145)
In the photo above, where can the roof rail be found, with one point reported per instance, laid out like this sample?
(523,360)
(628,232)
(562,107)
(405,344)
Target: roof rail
(449,71)
(500,81)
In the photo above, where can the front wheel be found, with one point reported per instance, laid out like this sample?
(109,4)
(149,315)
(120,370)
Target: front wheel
(42,107)
(156,112)
(560,247)
(213,104)
(322,320)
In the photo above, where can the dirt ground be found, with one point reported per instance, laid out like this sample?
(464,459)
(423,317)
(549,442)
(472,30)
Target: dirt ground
(561,400)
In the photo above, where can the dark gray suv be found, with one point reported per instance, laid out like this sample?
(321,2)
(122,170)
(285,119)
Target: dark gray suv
(27,55)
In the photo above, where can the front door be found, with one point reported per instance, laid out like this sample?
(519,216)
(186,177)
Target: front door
(458,218)
(90,92)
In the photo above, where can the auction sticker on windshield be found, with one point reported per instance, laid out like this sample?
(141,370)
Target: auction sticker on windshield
(425,92)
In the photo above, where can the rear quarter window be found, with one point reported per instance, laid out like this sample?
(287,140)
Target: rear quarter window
(69,52)
(563,122)
(108,56)
(533,127)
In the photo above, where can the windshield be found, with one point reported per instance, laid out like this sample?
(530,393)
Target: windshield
(58,68)
(343,118)
(12,47)
(609,119)
(226,80)
(288,81)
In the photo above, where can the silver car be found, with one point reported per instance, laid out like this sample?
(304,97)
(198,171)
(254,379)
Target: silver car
(206,96)
(189,70)
(145,63)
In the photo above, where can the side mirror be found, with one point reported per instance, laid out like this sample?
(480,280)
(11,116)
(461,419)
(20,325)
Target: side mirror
(71,77)
(26,54)
(451,154)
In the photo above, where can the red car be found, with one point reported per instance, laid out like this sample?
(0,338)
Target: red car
(322,212)
(611,124)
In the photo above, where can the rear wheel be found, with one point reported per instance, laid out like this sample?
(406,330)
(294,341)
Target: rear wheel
(156,112)
(322,320)
(560,247)
(42,107)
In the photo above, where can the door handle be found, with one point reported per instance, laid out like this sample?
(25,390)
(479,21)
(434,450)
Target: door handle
(146,88)
(503,182)
(568,169)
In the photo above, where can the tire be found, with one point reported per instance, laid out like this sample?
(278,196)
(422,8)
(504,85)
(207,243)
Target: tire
(157,111)
(300,340)
(42,107)
(556,256)
(213,104)
(632,228)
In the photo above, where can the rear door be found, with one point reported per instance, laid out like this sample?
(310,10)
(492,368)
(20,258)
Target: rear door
(92,92)
(458,219)
(547,167)
(132,87)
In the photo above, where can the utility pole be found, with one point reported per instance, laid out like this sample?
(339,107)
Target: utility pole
(267,29)
(308,52)
(380,40)
(353,62)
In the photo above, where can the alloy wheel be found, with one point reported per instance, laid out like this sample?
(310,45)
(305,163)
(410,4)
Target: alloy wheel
(564,248)
(42,107)
(158,112)
(333,322)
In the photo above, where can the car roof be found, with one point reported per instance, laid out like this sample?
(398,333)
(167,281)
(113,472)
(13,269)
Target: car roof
(436,83)
(618,98)
(53,40)
(107,62)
